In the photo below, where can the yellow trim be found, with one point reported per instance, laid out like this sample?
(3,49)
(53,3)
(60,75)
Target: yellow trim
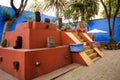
(86,58)
(99,52)
(87,37)
(73,37)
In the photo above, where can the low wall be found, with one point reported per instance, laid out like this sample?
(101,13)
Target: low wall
(49,58)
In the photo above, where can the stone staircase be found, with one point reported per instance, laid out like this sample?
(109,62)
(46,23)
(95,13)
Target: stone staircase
(89,53)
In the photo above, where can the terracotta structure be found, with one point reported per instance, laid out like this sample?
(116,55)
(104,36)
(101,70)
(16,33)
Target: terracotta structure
(35,58)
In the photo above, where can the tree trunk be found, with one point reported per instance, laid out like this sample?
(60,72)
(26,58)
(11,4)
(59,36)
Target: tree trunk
(18,12)
(108,14)
(60,23)
(7,24)
(111,32)
(111,36)
(6,28)
(57,18)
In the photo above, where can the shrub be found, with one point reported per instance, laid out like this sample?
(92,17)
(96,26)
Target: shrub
(110,46)
(5,14)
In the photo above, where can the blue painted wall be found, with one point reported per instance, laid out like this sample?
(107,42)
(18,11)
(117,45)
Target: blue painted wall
(102,25)
(20,19)
(98,24)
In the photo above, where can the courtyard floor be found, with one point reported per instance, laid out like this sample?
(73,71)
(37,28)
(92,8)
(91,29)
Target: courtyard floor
(107,68)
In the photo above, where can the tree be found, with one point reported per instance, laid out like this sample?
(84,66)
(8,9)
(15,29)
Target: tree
(5,14)
(113,4)
(84,9)
(87,8)
(36,6)
(56,5)
(77,7)
(67,13)
(108,10)
(18,12)
(28,18)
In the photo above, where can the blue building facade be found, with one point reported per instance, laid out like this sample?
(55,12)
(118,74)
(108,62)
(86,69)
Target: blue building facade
(102,24)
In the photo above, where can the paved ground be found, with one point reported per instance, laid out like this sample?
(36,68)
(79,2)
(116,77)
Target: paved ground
(107,68)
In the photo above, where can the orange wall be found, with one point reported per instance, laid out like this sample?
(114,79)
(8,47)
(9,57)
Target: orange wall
(9,56)
(24,25)
(65,39)
(50,59)
(34,35)
(76,57)
(35,25)
(42,25)
(12,36)
(38,38)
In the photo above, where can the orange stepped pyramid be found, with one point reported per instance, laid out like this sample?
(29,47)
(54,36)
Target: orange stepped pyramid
(44,49)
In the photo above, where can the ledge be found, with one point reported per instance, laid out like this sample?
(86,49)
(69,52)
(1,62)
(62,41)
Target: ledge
(27,50)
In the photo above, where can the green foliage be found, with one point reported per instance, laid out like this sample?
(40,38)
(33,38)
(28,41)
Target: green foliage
(57,5)
(87,8)
(113,4)
(36,6)
(67,12)
(80,8)
(5,14)
(75,16)
(111,9)
(108,46)
(77,5)
(35,0)
(71,24)
(29,18)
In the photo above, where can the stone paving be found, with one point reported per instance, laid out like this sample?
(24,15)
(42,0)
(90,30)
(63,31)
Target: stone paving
(107,68)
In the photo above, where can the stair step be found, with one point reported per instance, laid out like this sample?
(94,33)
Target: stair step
(86,47)
(95,59)
(93,55)
(81,40)
(89,51)
(76,34)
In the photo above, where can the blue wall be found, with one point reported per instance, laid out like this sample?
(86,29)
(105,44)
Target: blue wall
(20,19)
(102,25)
(98,24)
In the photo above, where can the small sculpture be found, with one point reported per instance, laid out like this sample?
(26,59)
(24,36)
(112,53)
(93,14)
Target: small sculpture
(37,16)
(50,42)
(18,44)
(47,20)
